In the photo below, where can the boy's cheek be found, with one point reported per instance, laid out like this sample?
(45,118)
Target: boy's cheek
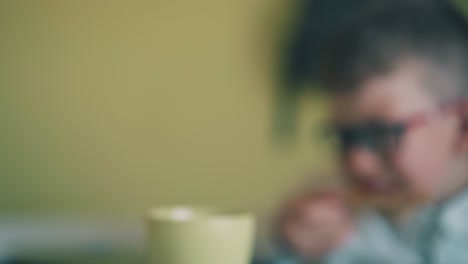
(421,161)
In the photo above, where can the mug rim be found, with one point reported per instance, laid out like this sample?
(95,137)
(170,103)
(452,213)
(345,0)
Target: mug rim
(191,213)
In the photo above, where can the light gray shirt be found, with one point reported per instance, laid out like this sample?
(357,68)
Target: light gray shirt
(435,235)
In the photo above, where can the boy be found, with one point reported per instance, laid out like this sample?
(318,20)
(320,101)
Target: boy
(397,77)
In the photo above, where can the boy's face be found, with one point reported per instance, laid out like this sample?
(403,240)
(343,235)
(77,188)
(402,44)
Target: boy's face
(422,162)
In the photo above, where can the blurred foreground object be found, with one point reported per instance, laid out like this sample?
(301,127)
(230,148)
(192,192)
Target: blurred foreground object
(185,235)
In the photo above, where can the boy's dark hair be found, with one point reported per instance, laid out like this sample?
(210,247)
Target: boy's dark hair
(379,38)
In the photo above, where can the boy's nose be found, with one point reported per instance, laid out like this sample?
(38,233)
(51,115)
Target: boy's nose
(363,163)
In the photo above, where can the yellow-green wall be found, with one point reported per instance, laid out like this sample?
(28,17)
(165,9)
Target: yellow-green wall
(117,105)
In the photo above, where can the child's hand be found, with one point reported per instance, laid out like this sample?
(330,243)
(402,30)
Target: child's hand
(315,223)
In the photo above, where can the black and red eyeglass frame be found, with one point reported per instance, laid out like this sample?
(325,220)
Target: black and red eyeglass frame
(384,136)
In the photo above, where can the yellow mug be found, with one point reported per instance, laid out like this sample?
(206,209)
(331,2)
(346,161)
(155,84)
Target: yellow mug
(189,235)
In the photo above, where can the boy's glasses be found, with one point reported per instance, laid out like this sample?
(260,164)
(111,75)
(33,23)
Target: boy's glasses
(383,136)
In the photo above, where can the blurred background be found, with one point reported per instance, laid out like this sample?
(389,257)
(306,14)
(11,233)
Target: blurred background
(114,106)
(110,107)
